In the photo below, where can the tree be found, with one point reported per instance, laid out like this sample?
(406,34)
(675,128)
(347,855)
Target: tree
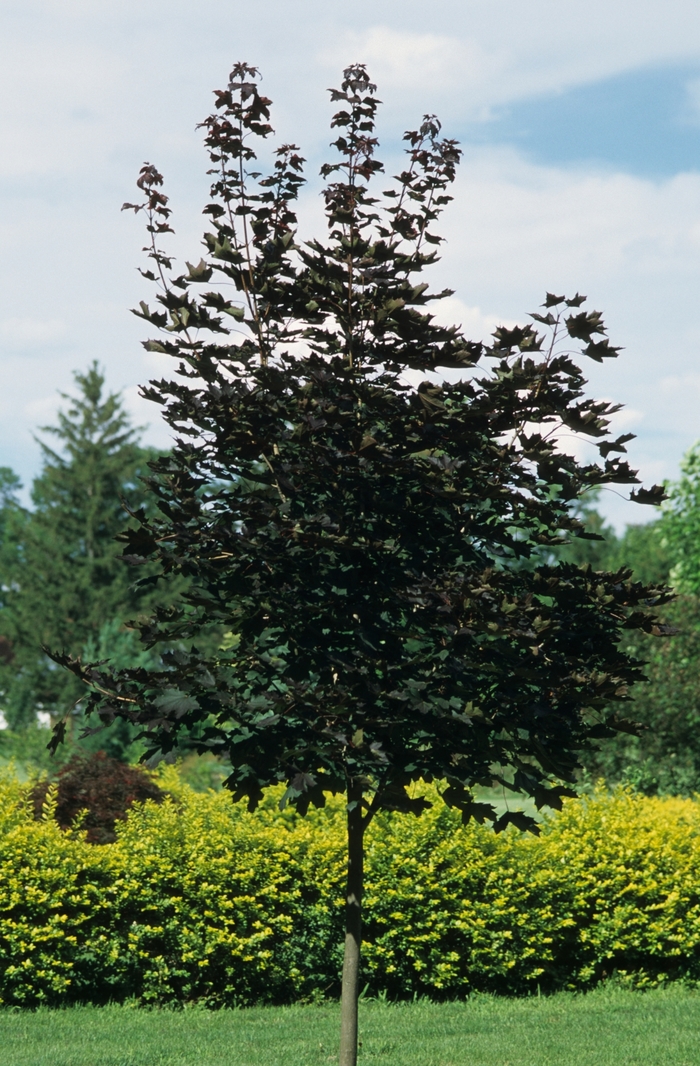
(358,534)
(680,525)
(11,518)
(10,485)
(596,550)
(643,549)
(62,575)
(665,756)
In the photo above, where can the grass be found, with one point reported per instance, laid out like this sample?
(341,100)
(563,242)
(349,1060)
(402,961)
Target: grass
(610,1027)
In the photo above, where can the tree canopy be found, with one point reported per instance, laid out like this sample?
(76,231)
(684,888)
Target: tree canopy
(368,529)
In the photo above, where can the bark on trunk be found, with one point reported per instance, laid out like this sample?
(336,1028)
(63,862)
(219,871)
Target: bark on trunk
(353,929)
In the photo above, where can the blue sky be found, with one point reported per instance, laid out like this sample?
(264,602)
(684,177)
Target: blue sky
(645,122)
(581,130)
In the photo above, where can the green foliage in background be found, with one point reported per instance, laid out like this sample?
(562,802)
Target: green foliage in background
(681,525)
(198,900)
(63,583)
(665,757)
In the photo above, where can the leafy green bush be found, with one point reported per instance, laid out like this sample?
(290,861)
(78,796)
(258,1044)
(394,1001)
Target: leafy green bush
(198,900)
(611,887)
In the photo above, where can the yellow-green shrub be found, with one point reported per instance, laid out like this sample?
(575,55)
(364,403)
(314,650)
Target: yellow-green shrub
(611,886)
(56,899)
(197,899)
(220,905)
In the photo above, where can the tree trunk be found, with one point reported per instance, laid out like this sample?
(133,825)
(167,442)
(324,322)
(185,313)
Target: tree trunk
(353,928)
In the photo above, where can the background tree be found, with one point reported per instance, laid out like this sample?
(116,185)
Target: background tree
(362,536)
(64,583)
(10,486)
(679,529)
(644,550)
(12,517)
(665,756)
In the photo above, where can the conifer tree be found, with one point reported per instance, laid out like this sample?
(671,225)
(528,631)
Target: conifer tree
(62,575)
(361,535)
(12,516)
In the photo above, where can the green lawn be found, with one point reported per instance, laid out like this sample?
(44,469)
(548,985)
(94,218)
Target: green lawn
(605,1028)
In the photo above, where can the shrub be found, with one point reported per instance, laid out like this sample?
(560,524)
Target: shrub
(611,886)
(100,788)
(198,900)
(56,899)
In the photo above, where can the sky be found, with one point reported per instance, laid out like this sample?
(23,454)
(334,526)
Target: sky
(580,126)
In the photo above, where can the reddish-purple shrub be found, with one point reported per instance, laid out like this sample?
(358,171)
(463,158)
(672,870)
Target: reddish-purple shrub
(101,786)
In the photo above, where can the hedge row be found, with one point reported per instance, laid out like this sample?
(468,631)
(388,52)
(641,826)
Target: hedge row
(198,900)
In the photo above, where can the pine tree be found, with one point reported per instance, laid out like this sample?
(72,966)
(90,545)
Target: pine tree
(360,536)
(63,578)
(12,517)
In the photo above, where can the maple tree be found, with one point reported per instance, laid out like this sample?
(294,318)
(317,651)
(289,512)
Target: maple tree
(372,545)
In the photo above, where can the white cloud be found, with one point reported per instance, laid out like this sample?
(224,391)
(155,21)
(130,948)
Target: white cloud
(622,421)
(677,385)
(518,220)
(480,56)
(406,61)
(24,333)
(474,323)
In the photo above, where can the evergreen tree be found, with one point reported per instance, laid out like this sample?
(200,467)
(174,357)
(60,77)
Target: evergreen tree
(10,485)
(358,535)
(63,579)
(11,520)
